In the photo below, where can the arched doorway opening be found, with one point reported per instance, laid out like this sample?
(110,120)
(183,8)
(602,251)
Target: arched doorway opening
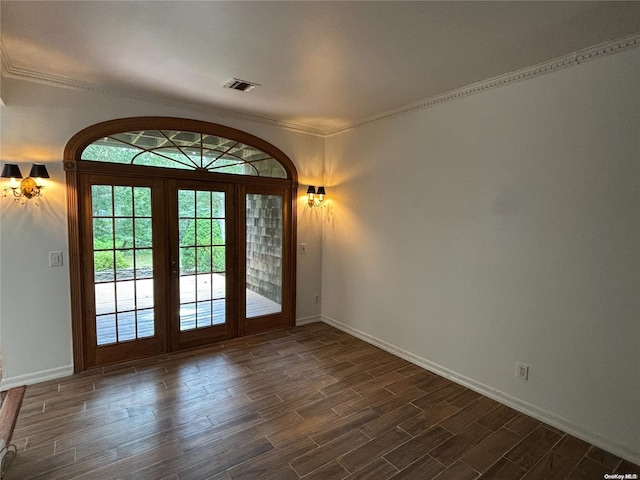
(181,233)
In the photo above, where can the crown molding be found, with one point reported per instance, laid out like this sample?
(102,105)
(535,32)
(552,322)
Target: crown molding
(573,59)
(9,70)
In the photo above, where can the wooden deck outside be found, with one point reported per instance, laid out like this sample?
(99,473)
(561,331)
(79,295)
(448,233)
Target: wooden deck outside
(202,304)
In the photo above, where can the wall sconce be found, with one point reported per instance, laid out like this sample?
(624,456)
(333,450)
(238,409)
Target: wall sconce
(315,199)
(28,188)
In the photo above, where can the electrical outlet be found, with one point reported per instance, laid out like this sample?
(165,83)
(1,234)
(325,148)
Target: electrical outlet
(522,371)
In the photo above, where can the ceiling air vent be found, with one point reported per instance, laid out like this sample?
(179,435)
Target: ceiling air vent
(242,85)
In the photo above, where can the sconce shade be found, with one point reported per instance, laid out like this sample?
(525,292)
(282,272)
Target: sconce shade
(38,170)
(311,188)
(321,191)
(11,170)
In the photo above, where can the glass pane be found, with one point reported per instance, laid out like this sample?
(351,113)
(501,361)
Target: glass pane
(143,232)
(203,232)
(124,264)
(198,255)
(104,266)
(108,153)
(146,323)
(123,201)
(186,232)
(203,314)
(144,293)
(126,326)
(183,150)
(187,316)
(264,254)
(188,289)
(144,263)
(102,233)
(142,201)
(105,298)
(270,168)
(219,286)
(218,234)
(204,287)
(186,203)
(187,260)
(125,296)
(102,200)
(219,313)
(204,259)
(218,259)
(124,232)
(106,329)
(218,207)
(203,204)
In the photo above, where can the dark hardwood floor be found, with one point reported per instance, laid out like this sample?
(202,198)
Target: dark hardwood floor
(307,402)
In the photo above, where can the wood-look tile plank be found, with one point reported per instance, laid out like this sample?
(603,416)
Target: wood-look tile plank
(587,469)
(370,451)
(423,422)
(530,450)
(271,460)
(379,469)
(457,471)
(404,455)
(503,469)
(439,395)
(332,470)
(497,417)
(452,449)
(337,427)
(469,414)
(328,452)
(425,468)
(551,467)
(628,467)
(390,420)
(522,424)
(607,459)
(571,448)
(485,454)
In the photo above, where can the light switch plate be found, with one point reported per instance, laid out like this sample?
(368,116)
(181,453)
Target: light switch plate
(55,259)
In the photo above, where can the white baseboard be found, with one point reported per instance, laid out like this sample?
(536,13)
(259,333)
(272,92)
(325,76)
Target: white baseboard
(37,377)
(306,320)
(517,404)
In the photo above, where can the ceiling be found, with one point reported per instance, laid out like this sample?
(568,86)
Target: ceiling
(321,66)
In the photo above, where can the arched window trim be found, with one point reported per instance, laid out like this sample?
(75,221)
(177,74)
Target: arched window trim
(84,138)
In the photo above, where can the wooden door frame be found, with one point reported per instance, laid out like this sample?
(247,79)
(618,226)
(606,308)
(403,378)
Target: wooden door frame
(75,169)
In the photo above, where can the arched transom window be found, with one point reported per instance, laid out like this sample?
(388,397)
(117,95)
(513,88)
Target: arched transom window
(184,150)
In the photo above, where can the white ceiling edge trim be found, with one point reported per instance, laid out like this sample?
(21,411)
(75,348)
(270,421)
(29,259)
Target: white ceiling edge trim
(576,58)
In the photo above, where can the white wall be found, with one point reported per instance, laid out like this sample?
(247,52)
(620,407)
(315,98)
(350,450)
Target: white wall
(36,123)
(498,228)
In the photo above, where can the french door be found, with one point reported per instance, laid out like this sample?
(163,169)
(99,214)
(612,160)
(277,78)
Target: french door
(178,263)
